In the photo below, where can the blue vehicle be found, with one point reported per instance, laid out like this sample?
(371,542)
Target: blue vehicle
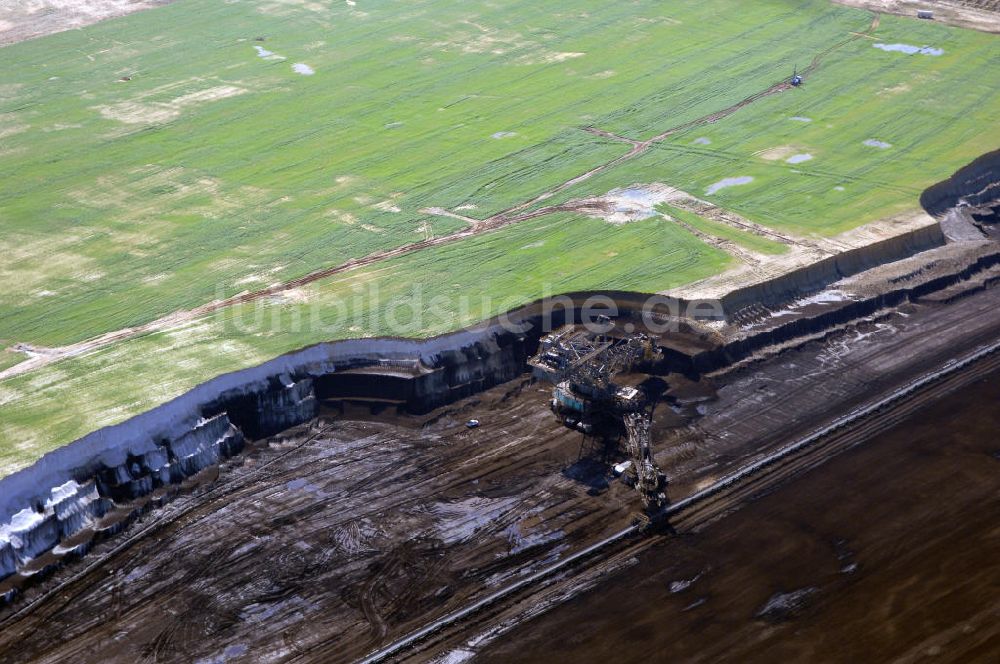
(796,79)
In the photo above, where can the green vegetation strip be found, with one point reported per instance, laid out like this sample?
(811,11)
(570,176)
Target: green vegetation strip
(724,231)
(9,358)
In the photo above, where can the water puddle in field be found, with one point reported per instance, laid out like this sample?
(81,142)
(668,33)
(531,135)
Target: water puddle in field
(728,182)
(267,55)
(874,143)
(504,134)
(635,203)
(838,188)
(799,158)
(909,50)
(800,118)
(702,141)
(624,205)
(641,197)
(304,69)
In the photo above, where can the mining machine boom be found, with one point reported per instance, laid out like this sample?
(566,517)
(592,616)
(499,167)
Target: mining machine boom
(650,483)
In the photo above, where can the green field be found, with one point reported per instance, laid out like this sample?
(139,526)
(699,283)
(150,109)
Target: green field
(213,170)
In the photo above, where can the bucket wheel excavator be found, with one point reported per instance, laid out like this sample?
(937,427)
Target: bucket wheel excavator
(589,395)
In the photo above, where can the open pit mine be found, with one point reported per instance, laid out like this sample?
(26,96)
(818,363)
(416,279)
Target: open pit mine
(379,500)
(722,383)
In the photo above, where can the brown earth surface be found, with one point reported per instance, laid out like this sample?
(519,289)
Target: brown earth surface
(890,552)
(336,537)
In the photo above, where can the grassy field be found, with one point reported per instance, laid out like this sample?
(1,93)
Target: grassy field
(932,111)
(218,167)
(214,170)
(9,358)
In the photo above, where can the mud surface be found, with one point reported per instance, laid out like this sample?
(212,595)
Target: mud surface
(345,530)
(346,533)
(888,553)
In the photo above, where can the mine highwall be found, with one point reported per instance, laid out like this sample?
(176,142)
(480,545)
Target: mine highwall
(824,272)
(71,487)
(975,184)
(197,430)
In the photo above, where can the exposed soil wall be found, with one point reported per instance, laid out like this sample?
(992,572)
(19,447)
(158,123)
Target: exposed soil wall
(824,272)
(975,184)
(56,507)
(119,465)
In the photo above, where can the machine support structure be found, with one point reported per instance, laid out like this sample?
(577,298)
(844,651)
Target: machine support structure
(587,368)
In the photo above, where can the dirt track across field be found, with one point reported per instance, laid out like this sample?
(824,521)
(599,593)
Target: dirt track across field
(40,357)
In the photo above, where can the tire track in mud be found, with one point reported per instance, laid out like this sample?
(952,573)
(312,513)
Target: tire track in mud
(383,603)
(41,356)
(737,492)
(263,481)
(169,518)
(812,380)
(880,352)
(303,646)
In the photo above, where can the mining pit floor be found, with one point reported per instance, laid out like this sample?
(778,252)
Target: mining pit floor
(336,537)
(887,553)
